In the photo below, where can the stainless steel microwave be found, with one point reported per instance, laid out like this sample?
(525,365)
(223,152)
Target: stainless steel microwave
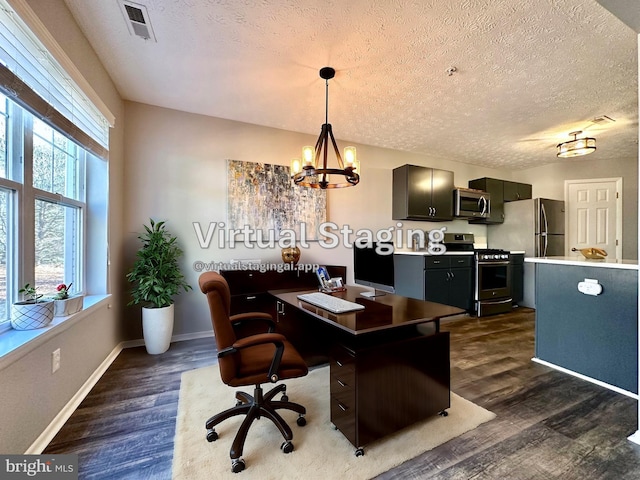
(469,203)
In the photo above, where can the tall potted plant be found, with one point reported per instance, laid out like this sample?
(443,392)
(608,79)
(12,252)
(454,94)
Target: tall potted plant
(156,279)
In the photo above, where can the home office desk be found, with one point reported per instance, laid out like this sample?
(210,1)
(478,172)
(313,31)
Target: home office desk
(389,363)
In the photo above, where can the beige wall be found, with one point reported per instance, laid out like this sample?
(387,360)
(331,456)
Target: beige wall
(176,171)
(548,182)
(35,395)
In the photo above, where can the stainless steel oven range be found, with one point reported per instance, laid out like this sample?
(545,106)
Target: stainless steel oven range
(493,282)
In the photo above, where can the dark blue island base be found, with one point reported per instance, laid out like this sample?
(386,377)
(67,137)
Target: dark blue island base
(592,335)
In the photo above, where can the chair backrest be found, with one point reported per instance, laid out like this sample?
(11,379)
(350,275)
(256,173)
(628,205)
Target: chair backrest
(216,288)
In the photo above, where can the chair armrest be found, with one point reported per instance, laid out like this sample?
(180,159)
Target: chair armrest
(261,339)
(252,317)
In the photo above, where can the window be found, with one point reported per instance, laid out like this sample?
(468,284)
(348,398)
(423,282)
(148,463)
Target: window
(42,206)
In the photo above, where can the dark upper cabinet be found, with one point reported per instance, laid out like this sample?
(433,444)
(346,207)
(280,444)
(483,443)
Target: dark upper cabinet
(494,187)
(421,193)
(501,191)
(514,191)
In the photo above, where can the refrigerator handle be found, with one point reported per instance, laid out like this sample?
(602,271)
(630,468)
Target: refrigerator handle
(543,233)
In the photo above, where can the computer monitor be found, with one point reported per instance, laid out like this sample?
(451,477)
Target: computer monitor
(373,267)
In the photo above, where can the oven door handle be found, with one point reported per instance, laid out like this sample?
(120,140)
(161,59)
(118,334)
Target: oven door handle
(497,302)
(493,263)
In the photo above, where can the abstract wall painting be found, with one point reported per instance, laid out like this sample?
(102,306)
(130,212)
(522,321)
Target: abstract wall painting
(263,197)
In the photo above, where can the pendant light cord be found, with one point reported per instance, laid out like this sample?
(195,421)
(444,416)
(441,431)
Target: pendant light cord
(326,101)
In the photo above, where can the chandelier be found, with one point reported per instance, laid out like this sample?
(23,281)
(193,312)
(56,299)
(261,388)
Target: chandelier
(312,170)
(577,146)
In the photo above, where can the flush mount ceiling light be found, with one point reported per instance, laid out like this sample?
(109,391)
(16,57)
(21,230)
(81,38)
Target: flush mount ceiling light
(577,146)
(310,171)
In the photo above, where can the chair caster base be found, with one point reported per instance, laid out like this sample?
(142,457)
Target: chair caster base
(212,435)
(301,421)
(359,452)
(286,447)
(237,465)
(444,413)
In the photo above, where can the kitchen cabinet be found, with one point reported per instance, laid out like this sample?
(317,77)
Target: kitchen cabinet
(516,265)
(514,191)
(494,187)
(422,193)
(446,279)
(501,191)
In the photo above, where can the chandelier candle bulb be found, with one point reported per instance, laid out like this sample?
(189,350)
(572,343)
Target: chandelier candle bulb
(296,166)
(350,157)
(308,156)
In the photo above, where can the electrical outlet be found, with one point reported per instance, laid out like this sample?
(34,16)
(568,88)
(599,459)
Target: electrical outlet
(55,361)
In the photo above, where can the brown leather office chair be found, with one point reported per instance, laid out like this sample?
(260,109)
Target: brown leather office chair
(252,360)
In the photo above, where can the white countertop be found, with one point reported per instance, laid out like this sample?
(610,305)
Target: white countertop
(583,262)
(425,253)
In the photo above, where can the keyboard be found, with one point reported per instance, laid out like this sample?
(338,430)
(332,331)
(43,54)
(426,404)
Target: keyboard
(329,302)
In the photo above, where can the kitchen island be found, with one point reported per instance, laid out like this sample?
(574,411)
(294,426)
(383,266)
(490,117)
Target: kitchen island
(587,319)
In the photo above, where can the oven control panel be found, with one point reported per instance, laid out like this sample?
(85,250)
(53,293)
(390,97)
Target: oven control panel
(493,256)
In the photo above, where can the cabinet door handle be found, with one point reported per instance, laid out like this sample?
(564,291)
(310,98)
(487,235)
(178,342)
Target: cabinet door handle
(250,297)
(341,383)
(342,407)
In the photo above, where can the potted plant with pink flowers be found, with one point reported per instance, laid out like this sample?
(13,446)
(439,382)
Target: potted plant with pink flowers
(64,303)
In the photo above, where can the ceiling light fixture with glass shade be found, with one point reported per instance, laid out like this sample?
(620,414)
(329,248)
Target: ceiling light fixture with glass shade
(577,146)
(312,171)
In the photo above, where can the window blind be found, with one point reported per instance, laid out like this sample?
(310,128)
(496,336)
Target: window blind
(32,77)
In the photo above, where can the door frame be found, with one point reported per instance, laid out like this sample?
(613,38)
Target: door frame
(618,182)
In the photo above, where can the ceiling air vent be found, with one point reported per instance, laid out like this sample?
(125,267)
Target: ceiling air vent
(137,19)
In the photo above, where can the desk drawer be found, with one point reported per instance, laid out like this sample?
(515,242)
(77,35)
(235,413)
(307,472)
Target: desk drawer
(344,415)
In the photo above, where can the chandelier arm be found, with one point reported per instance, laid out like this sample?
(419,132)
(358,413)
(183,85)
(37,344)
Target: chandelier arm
(335,149)
(325,176)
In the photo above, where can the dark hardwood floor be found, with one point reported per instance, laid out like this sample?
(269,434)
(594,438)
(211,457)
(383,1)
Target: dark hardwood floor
(548,425)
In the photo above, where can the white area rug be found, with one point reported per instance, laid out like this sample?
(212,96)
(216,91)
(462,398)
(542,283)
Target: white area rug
(321,452)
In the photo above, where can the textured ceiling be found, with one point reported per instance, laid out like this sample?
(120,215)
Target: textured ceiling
(528,73)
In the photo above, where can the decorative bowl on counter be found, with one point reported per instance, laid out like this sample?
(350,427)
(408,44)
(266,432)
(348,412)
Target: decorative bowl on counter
(591,253)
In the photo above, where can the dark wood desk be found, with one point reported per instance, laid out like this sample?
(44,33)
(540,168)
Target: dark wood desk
(389,362)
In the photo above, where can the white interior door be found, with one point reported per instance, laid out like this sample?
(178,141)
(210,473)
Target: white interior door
(594,215)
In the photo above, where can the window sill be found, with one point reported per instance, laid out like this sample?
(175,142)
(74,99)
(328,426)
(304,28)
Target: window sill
(14,344)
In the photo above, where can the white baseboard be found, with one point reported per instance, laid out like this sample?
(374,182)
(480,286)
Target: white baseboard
(176,338)
(58,422)
(588,379)
(635,438)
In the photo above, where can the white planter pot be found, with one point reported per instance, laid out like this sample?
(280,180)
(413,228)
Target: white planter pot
(157,328)
(29,316)
(68,306)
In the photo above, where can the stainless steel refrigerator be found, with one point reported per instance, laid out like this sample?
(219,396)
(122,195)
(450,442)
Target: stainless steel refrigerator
(534,226)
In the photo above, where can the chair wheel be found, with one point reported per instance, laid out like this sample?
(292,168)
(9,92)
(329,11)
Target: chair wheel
(301,421)
(444,413)
(359,452)
(237,465)
(284,398)
(212,435)
(286,447)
